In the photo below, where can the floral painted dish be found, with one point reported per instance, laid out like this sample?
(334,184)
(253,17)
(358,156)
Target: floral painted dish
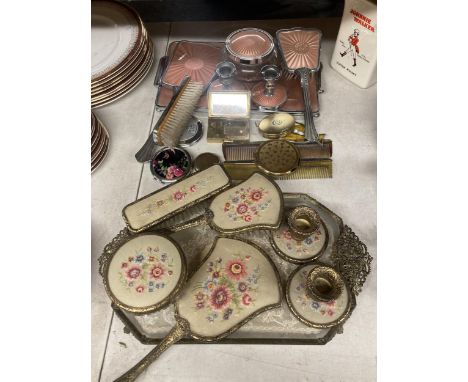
(143,273)
(312,311)
(171,164)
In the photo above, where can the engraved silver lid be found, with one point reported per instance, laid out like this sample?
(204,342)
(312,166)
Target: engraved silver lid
(192,134)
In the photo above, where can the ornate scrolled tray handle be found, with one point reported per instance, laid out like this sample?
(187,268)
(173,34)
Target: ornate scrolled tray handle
(110,248)
(351,258)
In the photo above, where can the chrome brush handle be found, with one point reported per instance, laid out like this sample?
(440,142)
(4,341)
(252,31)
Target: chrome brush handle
(310,132)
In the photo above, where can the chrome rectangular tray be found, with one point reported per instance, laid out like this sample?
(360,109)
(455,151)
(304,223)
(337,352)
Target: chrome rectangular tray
(277,326)
(293,105)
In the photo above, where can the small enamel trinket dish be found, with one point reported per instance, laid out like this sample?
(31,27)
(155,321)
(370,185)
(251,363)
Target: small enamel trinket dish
(170,164)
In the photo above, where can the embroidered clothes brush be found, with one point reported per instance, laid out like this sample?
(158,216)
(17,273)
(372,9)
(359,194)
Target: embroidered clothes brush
(173,121)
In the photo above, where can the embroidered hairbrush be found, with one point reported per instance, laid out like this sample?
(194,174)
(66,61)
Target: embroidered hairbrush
(173,121)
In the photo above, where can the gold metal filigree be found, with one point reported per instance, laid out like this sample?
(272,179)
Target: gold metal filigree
(303,221)
(351,258)
(339,321)
(122,237)
(324,283)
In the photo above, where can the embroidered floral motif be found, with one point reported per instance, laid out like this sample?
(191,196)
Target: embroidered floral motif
(247,204)
(148,271)
(178,195)
(229,288)
(324,308)
(294,246)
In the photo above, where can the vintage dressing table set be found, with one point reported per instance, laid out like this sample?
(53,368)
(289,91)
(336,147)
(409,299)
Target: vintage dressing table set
(220,253)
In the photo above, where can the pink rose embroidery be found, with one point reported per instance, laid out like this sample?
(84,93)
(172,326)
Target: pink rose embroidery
(133,272)
(178,195)
(246,299)
(242,208)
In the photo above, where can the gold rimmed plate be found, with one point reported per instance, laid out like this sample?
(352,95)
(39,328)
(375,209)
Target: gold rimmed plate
(98,161)
(126,79)
(129,61)
(115,33)
(126,88)
(124,75)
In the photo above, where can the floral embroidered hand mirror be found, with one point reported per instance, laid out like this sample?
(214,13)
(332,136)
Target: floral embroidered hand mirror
(235,282)
(143,273)
(253,204)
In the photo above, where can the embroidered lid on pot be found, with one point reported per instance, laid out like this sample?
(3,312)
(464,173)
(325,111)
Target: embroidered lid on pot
(171,164)
(313,311)
(144,273)
(296,251)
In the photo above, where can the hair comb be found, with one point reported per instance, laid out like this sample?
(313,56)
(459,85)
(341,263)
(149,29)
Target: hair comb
(308,169)
(246,151)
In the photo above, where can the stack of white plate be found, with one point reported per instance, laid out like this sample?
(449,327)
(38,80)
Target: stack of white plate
(121,51)
(99,142)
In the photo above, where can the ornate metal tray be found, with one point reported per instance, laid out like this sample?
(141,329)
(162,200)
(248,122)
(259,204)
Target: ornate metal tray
(344,250)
